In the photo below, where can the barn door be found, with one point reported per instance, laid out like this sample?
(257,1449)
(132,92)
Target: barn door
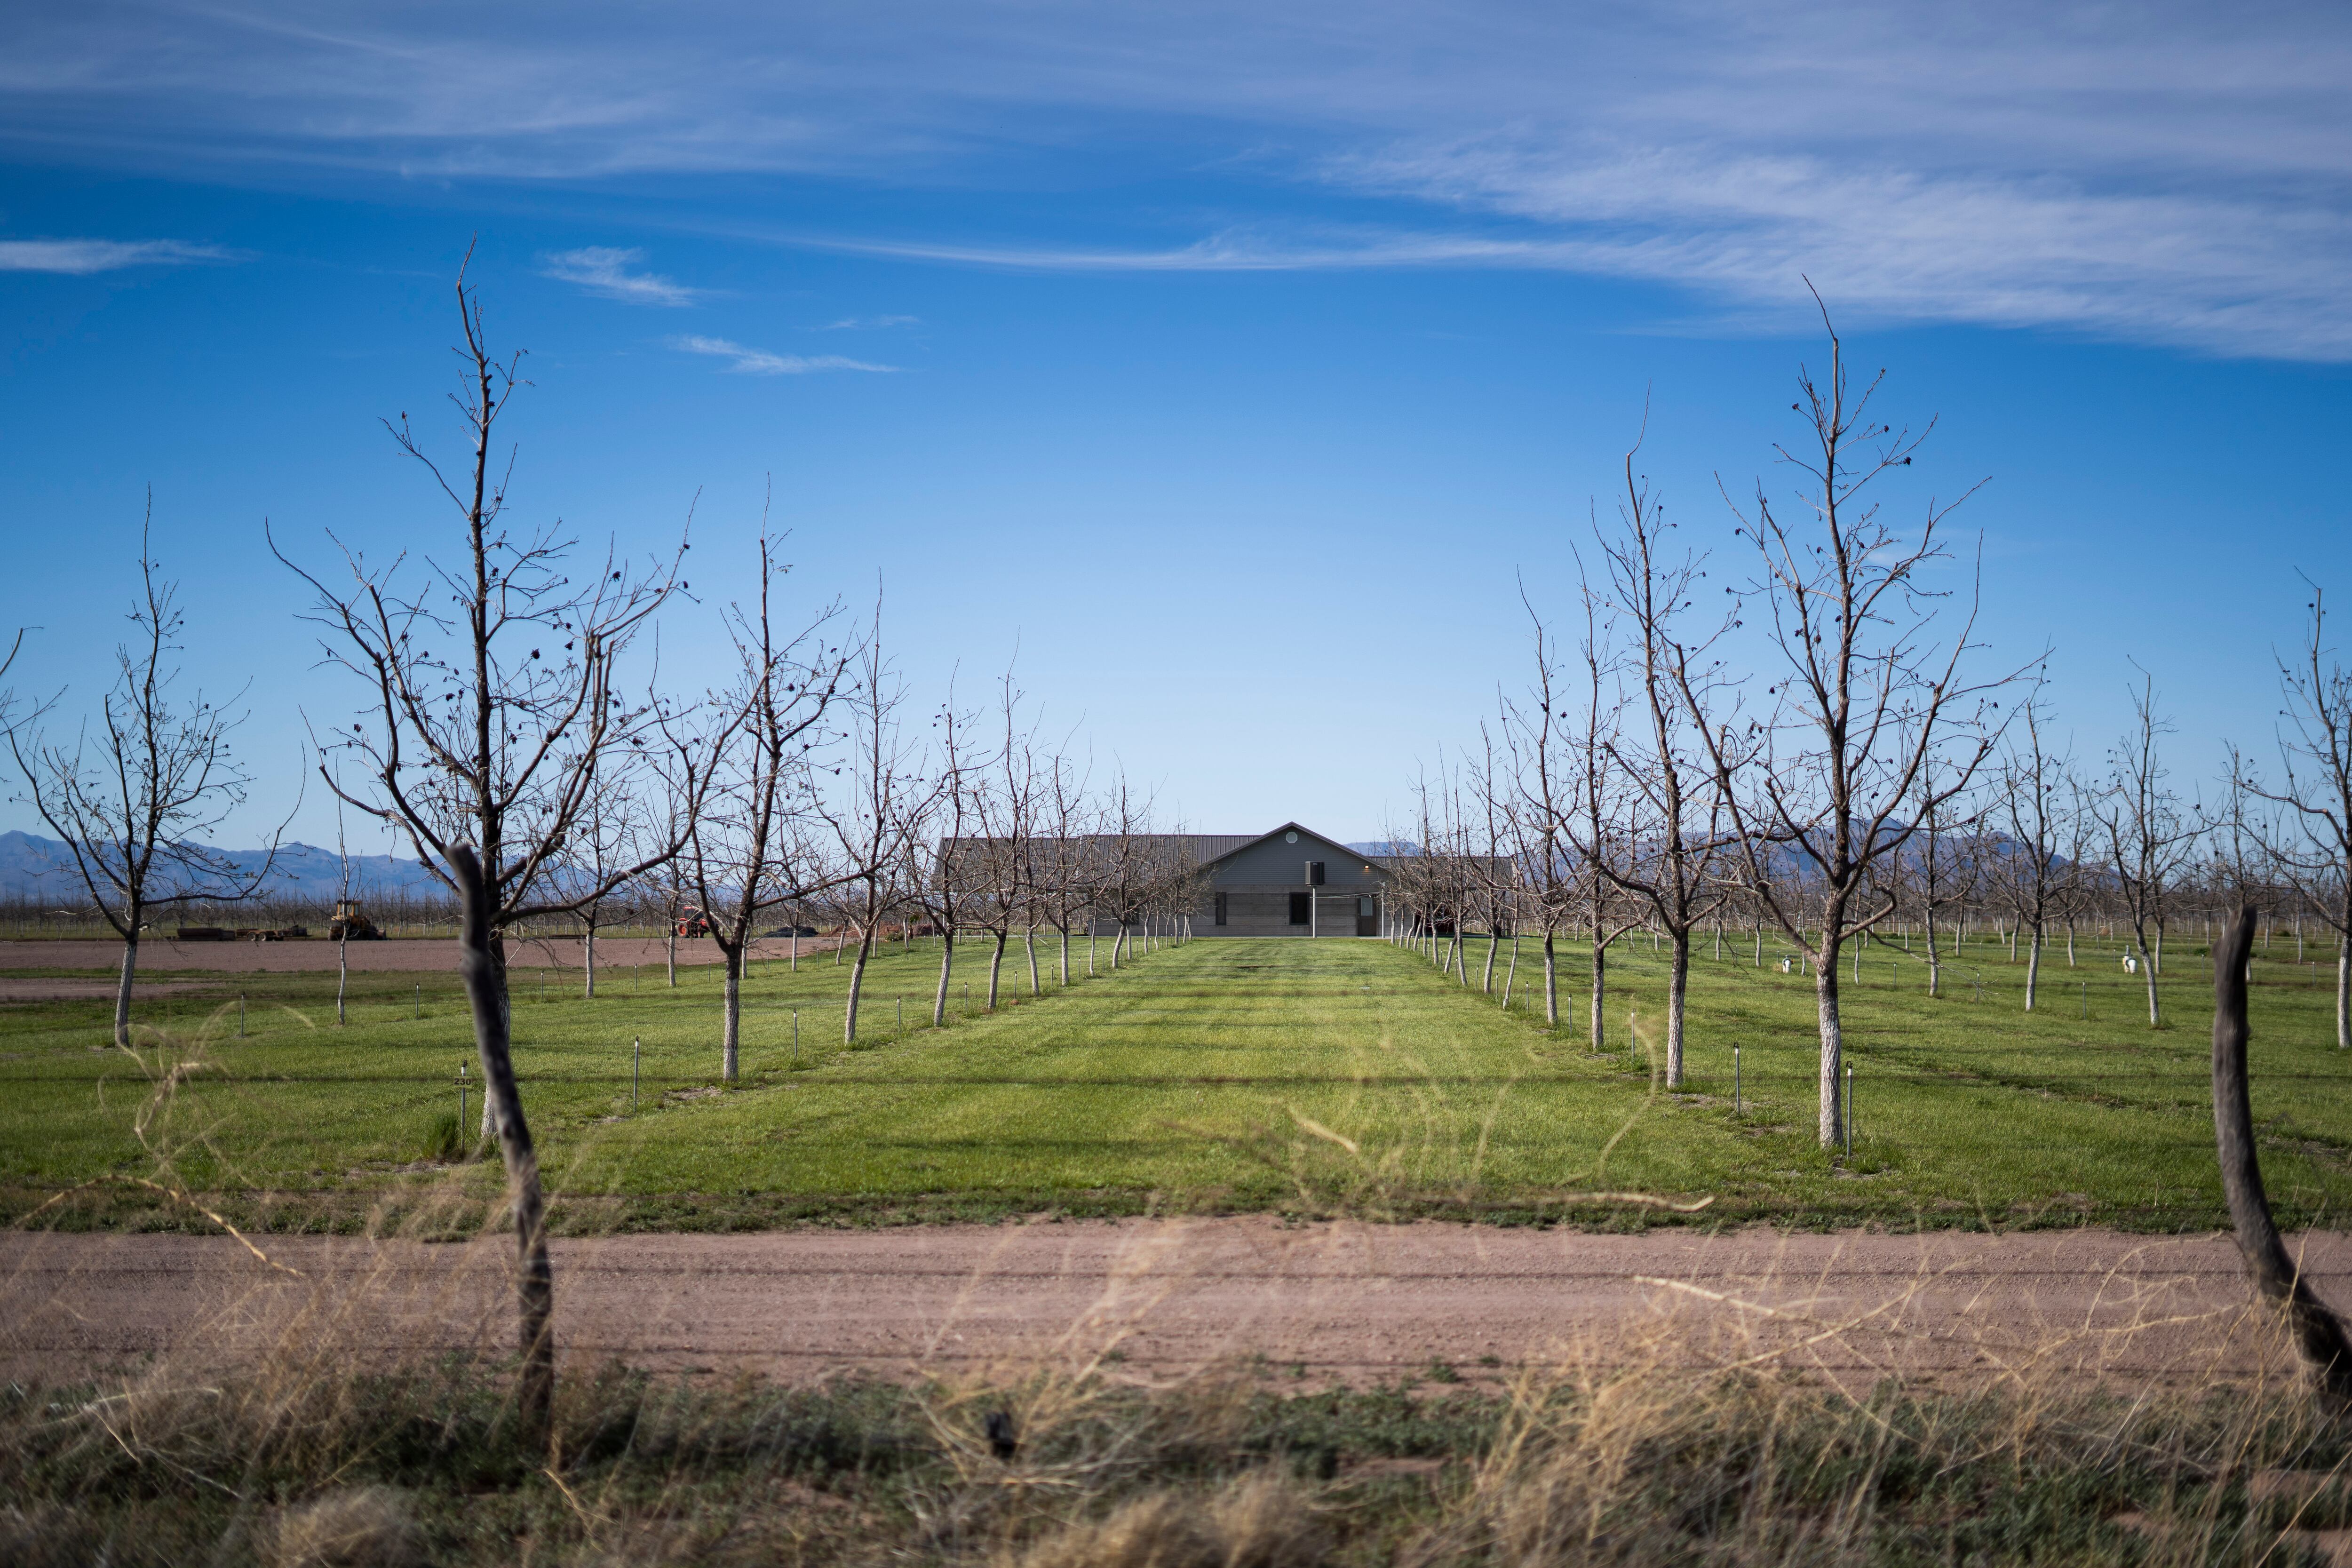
(1368,917)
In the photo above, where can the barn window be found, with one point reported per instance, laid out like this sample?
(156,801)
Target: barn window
(1221,909)
(1300,908)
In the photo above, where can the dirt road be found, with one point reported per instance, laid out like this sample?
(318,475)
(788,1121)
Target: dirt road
(1344,1302)
(425,955)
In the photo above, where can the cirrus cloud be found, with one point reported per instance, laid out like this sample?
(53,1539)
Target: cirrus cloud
(748,361)
(82,257)
(604,270)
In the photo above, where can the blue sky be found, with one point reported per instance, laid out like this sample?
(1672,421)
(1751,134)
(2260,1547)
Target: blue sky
(1231,363)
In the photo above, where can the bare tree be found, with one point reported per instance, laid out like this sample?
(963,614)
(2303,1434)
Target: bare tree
(1932,866)
(1540,844)
(607,833)
(883,807)
(938,887)
(995,864)
(2315,760)
(1872,693)
(1597,827)
(1669,859)
(1059,862)
(134,801)
(753,847)
(485,756)
(2148,838)
(2033,791)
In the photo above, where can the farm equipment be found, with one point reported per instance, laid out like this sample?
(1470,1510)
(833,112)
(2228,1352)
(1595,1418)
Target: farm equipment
(693,922)
(350,923)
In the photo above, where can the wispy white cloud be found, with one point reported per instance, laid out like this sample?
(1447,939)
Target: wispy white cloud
(868,323)
(2175,173)
(748,361)
(85,255)
(600,270)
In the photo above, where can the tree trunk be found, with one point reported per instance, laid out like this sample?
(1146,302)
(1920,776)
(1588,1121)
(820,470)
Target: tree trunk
(732,1035)
(2319,1331)
(1066,957)
(481,965)
(343,977)
(588,957)
(1551,984)
(1826,993)
(1512,973)
(673,954)
(2147,969)
(1677,988)
(2344,993)
(2032,964)
(947,967)
(1600,989)
(995,964)
(1029,942)
(857,985)
(1486,980)
(122,989)
(2069,942)
(1935,963)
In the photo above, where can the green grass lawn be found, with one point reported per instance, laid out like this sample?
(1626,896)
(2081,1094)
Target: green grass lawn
(1314,1075)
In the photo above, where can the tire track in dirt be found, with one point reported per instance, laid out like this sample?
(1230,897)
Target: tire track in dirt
(1340,1302)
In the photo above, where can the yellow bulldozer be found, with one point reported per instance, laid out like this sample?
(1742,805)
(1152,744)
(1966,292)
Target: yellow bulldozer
(350,923)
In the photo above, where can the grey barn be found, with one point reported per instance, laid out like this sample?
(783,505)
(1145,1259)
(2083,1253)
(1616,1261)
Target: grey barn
(1292,881)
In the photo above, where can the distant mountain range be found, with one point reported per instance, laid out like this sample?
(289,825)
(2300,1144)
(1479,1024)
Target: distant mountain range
(42,871)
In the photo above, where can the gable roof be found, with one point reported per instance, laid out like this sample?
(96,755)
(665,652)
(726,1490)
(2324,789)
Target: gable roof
(1376,861)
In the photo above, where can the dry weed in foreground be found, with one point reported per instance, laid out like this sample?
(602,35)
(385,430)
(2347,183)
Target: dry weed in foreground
(1692,1439)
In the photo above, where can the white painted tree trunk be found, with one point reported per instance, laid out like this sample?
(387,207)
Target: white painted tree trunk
(731,1032)
(122,986)
(947,968)
(1677,991)
(1826,993)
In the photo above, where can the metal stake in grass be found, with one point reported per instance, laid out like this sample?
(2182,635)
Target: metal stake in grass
(240,1015)
(420,1000)
(1735,1107)
(461,1098)
(636,1063)
(796,1037)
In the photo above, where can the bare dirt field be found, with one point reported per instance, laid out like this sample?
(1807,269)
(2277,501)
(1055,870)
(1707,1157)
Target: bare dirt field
(1323,1303)
(397,955)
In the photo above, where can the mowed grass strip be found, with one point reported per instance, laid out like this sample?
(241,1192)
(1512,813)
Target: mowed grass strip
(1331,1076)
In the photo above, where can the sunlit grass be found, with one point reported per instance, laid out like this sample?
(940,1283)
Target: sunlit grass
(1318,1076)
